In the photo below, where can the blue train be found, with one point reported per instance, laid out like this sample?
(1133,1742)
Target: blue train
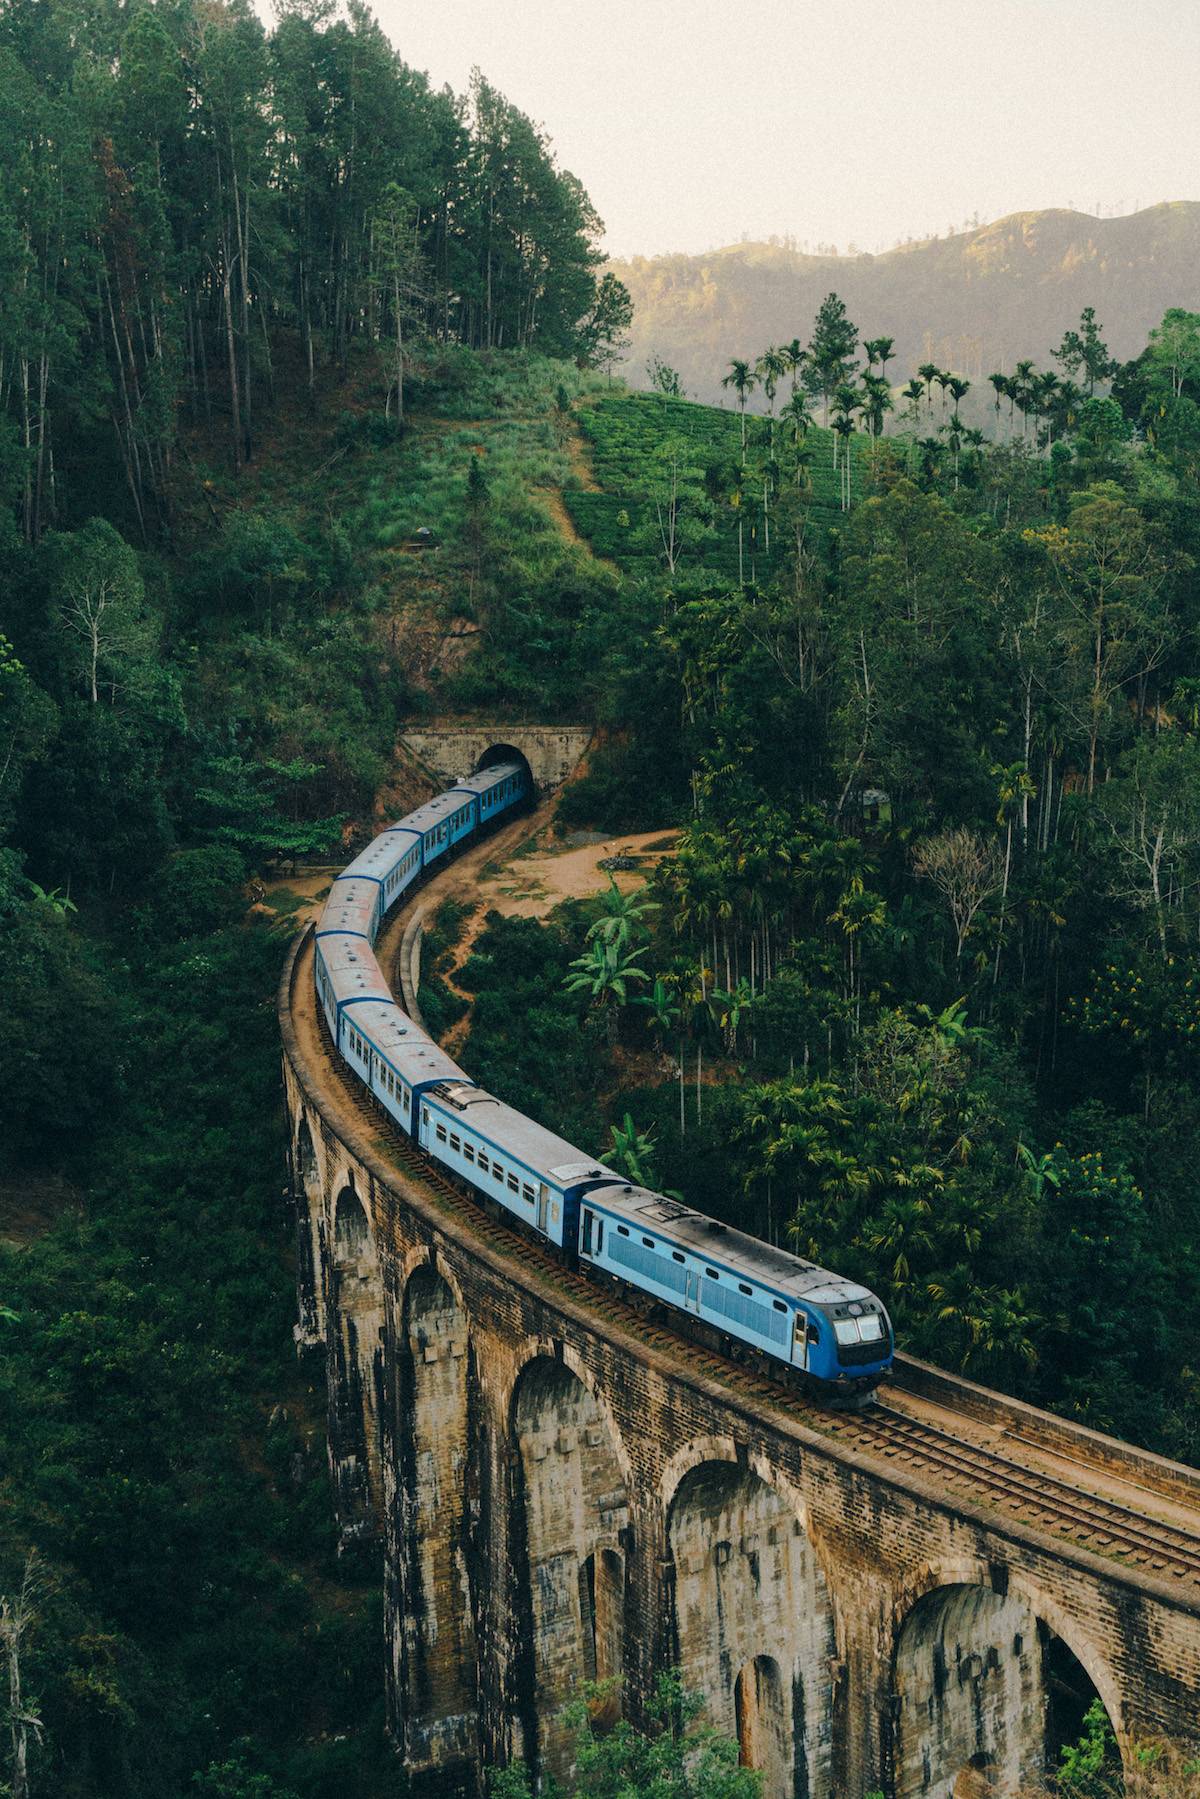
(834,1333)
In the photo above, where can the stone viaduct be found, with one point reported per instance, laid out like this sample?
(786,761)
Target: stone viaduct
(558,1491)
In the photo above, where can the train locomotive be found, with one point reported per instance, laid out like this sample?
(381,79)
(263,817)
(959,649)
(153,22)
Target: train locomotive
(752,1298)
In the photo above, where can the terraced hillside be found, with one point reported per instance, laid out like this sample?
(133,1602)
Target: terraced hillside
(636,443)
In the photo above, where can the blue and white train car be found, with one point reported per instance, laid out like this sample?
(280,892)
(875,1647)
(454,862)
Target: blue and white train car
(509,1159)
(394,1059)
(391,861)
(442,822)
(347,974)
(497,789)
(351,910)
(829,1328)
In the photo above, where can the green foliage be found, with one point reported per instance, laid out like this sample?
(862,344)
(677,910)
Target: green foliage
(1090,1768)
(679,1757)
(627,434)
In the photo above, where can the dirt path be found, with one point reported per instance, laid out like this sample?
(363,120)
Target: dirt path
(535,878)
(556,506)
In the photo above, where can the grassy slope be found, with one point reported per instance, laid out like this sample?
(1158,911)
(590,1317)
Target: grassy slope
(339,463)
(626,432)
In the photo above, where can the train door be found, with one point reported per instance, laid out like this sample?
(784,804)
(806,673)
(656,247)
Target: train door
(691,1289)
(543,1208)
(800,1341)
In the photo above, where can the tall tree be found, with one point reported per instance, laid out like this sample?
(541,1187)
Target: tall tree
(831,360)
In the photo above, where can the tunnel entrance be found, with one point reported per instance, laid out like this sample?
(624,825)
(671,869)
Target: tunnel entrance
(505,752)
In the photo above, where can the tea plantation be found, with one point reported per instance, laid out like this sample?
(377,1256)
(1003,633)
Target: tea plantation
(633,439)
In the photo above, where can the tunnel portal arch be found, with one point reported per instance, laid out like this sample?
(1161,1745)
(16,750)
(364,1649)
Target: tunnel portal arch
(505,752)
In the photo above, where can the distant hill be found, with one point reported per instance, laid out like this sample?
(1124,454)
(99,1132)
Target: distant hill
(975,302)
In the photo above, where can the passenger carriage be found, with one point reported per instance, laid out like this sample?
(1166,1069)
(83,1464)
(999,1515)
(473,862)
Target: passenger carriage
(395,1059)
(347,975)
(534,1175)
(497,789)
(443,822)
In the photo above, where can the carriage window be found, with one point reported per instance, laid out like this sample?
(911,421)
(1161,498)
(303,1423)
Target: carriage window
(424,1115)
(712,1274)
(779,1305)
(441,1133)
(403,1100)
(846,1330)
(871,1327)
(678,1255)
(743,1288)
(514,1185)
(483,1162)
(454,1142)
(469,1151)
(497,1173)
(648,1242)
(528,1193)
(622,1230)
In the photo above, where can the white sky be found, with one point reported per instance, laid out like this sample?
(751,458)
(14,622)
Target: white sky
(693,123)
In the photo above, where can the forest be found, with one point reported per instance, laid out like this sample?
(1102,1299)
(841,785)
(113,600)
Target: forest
(307,427)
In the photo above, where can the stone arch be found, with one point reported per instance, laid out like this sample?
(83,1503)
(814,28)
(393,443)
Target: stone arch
(355,1346)
(308,1192)
(505,752)
(976,1679)
(754,1629)
(574,1518)
(761,1715)
(434,1633)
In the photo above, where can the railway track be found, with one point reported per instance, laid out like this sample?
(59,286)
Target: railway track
(968,1468)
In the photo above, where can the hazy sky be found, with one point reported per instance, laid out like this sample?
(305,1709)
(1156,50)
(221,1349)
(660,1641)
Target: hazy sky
(694,122)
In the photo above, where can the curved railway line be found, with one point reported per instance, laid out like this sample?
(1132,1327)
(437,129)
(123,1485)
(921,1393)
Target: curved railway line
(1117,1503)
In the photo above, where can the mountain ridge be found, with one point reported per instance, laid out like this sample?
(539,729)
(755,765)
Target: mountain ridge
(974,301)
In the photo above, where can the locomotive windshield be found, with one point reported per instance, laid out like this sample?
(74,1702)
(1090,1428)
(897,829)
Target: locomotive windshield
(867,1329)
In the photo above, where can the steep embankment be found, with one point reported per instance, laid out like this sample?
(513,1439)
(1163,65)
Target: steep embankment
(974,302)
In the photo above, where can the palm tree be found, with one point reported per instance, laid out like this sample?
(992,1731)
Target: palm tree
(878,397)
(1023,392)
(931,458)
(846,401)
(958,391)
(730,1007)
(885,349)
(741,378)
(661,1007)
(771,365)
(605,971)
(1000,386)
(797,416)
(623,917)
(632,1152)
(796,356)
(929,372)
(912,393)
(843,427)
(1045,393)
